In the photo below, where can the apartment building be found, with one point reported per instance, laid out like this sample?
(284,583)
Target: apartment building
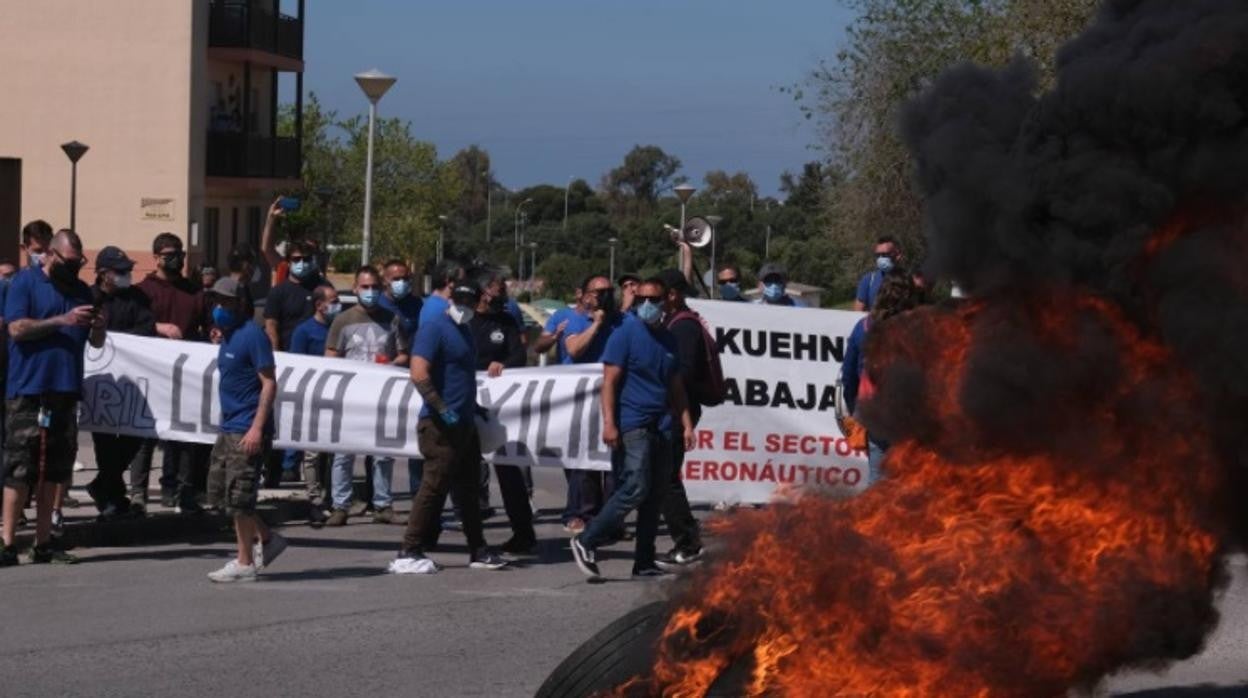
(178,103)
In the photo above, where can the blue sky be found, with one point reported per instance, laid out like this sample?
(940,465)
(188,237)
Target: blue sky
(556,89)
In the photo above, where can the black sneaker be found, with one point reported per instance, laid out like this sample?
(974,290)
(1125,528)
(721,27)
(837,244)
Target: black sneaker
(518,546)
(676,558)
(486,559)
(138,508)
(8,556)
(585,559)
(168,501)
(650,572)
(49,554)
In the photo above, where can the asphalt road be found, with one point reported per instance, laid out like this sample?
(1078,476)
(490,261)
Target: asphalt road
(326,620)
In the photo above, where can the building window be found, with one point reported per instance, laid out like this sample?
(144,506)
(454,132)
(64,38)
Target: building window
(233,227)
(212,235)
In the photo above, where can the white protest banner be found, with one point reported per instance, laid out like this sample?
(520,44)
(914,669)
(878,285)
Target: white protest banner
(168,390)
(776,428)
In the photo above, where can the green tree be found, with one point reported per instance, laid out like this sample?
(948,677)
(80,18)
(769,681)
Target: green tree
(720,188)
(472,170)
(646,174)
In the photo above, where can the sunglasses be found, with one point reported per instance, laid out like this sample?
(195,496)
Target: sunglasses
(653,299)
(297,258)
(731,280)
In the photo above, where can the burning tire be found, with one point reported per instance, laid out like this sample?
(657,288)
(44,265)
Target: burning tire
(618,652)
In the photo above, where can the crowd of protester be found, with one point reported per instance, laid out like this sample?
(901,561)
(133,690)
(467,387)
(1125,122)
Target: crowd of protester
(661,371)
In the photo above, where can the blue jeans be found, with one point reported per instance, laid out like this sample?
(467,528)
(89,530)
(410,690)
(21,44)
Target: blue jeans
(875,460)
(291,460)
(342,473)
(641,466)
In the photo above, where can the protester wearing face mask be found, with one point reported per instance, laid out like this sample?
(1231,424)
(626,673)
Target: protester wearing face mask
(51,319)
(497,338)
(443,369)
(290,302)
(642,396)
(627,282)
(400,297)
(367,332)
(773,282)
(309,339)
(246,391)
(887,262)
(36,237)
(729,280)
(586,336)
(128,311)
(180,311)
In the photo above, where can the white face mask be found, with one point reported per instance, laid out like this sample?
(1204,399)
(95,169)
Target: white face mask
(460,314)
(121,280)
(332,310)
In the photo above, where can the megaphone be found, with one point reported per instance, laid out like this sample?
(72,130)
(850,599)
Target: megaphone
(697,232)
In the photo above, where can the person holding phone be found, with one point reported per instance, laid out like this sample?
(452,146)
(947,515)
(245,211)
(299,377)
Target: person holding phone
(51,319)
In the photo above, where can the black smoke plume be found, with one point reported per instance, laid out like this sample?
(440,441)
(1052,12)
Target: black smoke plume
(1128,179)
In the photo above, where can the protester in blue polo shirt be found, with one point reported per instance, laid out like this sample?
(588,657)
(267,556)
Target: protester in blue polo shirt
(641,393)
(51,318)
(309,339)
(887,263)
(443,368)
(443,279)
(399,297)
(246,390)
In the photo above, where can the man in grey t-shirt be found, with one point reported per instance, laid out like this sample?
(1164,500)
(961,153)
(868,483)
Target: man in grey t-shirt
(367,332)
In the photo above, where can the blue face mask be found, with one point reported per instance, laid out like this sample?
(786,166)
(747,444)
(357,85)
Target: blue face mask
(773,291)
(223,318)
(302,269)
(730,292)
(649,313)
(368,297)
(885,264)
(400,288)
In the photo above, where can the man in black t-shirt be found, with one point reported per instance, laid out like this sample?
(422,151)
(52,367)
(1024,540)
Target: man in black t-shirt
(691,355)
(499,347)
(290,302)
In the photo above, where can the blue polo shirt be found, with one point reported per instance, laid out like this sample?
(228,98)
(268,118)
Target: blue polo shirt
(648,359)
(244,353)
(434,306)
(52,364)
(869,288)
(408,309)
(578,322)
(552,324)
(452,357)
(513,309)
(309,338)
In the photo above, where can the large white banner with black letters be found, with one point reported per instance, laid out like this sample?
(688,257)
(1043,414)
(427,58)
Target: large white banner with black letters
(776,429)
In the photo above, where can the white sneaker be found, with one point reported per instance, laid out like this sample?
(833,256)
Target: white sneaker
(234,572)
(412,564)
(266,553)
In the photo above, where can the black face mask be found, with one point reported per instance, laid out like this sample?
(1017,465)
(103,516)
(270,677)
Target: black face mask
(606,301)
(66,272)
(172,263)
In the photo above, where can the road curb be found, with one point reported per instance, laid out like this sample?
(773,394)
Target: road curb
(165,526)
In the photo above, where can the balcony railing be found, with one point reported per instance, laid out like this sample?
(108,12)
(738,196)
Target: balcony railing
(240,155)
(250,24)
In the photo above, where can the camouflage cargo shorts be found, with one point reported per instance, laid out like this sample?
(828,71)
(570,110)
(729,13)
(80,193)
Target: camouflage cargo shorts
(234,476)
(22,447)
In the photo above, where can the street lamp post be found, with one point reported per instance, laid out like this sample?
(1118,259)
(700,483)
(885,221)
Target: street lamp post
(565,204)
(683,191)
(713,287)
(441,237)
(489,206)
(532,267)
(74,151)
(374,83)
(611,242)
(516,237)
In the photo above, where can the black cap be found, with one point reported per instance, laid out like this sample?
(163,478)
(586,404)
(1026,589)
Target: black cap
(113,258)
(674,280)
(465,293)
(627,276)
(773,269)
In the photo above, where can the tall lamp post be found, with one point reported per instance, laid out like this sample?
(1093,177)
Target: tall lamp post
(374,83)
(516,236)
(74,151)
(566,190)
(532,266)
(714,272)
(683,192)
(441,237)
(612,242)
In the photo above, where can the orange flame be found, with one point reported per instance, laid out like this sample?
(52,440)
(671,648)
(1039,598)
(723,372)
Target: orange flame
(993,574)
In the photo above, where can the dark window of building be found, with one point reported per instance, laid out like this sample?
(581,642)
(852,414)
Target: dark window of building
(212,235)
(253,227)
(233,227)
